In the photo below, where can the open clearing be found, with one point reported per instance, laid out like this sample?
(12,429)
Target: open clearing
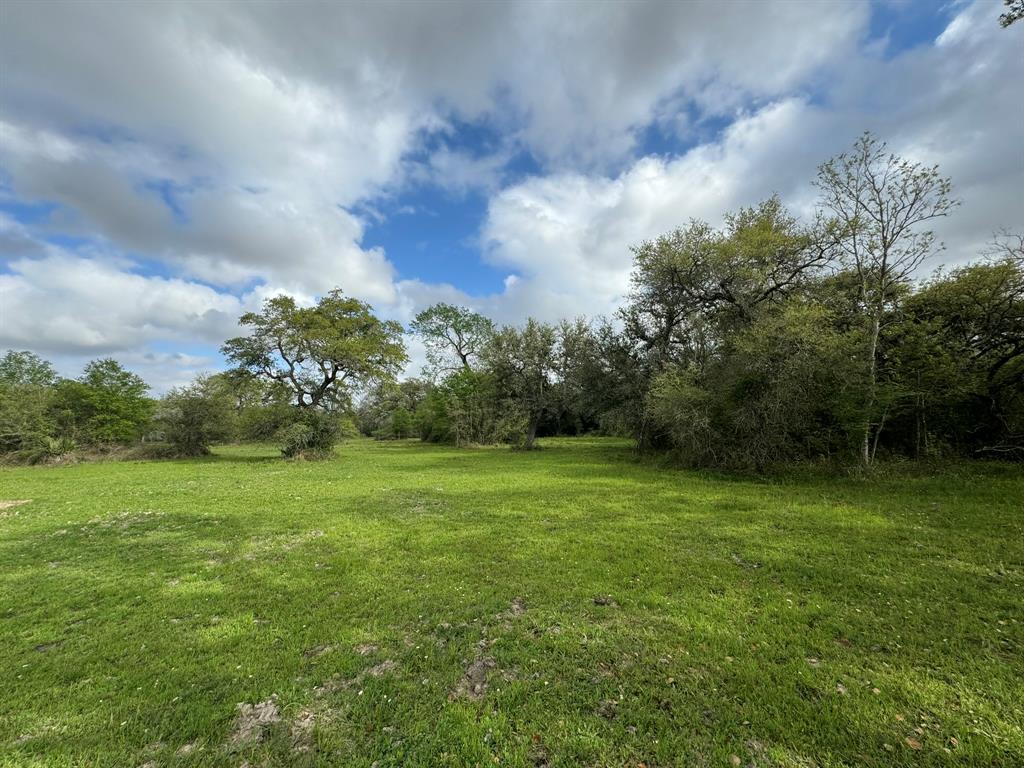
(410,605)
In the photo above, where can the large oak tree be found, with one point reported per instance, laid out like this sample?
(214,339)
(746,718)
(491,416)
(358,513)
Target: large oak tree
(321,352)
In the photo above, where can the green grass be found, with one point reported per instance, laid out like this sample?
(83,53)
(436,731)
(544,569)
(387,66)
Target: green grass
(809,622)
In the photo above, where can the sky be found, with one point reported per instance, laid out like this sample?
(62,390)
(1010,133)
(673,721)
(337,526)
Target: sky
(165,167)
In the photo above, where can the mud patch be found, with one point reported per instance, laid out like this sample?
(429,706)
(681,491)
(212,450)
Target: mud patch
(254,721)
(473,684)
(606,600)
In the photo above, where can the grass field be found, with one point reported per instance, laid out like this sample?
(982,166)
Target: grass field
(409,605)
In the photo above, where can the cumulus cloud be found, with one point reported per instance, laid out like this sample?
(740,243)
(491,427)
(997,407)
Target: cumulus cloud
(203,156)
(954,103)
(64,303)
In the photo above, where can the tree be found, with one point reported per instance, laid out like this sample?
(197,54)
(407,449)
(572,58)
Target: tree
(773,393)
(26,369)
(524,362)
(976,314)
(195,416)
(386,409)
(879,203)
(453,336)
(576,365)
(468,407)
(1014,12)
(26,397)
(106,404)
(694,286)
(689,284)
(261,407)
(321,352)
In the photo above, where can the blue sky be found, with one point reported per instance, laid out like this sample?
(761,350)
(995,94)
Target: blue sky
(202,157)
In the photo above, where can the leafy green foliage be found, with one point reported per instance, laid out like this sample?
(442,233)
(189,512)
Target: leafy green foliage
(523,362)
(105,405)
(194,417)
(777,396)
(386,411)
(467,408)
(319,353)
(454,337)
(1014,12)
(878,206)
(26,401)
(312,436)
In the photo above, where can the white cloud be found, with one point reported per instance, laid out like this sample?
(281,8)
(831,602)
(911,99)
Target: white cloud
(64,303)
(240,145)
(954,103)
(568,236)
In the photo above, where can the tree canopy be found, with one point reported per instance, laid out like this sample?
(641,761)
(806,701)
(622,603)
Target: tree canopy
(321,352)
(454,337)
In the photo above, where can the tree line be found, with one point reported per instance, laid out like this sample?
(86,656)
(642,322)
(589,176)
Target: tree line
(765,341)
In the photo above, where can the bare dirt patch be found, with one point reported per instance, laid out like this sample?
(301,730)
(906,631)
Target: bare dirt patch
(382,669)
(302,732)
(254,721)
(745,563)
(515,610)
(473,684)
(186,749)
(338,683)
(366,649)
(317,650)
(606,600)
(8,503)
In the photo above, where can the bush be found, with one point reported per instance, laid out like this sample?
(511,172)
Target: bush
(311,437)
(193,417)
(465,409)
(151,452)
(106,405)
(46,450)
(262,423)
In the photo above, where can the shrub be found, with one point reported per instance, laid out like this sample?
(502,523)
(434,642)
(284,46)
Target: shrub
(311,437)
(466,409)
(106,405)
(193,417)
(44,450)
(262,423)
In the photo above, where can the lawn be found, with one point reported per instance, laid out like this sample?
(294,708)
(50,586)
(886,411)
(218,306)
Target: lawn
(412,605)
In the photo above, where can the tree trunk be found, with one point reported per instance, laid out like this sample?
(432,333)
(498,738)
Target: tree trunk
(878,432)
(921,425)
(869,404)
(531,432)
